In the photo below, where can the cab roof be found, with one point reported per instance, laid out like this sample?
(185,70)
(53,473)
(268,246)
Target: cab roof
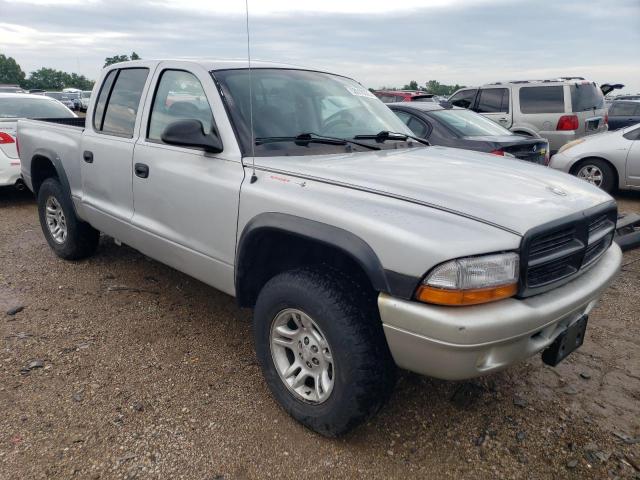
(213,64)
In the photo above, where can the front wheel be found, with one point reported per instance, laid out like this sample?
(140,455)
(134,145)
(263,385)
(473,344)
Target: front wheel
(597,172)
(322,350)
(68,236)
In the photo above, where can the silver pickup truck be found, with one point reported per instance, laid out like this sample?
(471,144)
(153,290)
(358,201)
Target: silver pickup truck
(358,247)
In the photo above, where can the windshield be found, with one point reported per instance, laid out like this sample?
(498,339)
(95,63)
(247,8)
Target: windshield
(21,107)
(288,103)
(469,124)
(586,96)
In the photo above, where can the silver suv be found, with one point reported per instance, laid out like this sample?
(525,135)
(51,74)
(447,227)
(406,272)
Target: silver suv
(559,110)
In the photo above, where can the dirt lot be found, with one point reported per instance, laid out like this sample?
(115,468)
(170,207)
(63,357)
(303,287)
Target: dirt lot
(120,367)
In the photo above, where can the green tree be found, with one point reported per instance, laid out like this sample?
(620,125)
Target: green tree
(437,88)
(120,58)
(51,79)
(412,85)
(10,71)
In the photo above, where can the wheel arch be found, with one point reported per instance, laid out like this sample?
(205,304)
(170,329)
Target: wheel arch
(573,170)
(273,242)
(47,165)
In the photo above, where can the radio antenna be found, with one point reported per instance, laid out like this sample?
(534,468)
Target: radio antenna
(253,140)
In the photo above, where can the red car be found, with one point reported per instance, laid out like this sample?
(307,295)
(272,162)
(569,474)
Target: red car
(393,96)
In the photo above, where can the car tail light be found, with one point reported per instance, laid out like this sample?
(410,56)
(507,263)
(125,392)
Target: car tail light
(606,119)
(567,122)
(498,152)
(6,138)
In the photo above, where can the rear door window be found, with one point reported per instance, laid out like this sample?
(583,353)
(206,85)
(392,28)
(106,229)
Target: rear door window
(542,99)
(493,100)
(464,98)
(585,97)
(123,102)
(105,90)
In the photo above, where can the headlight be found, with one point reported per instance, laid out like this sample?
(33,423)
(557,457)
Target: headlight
(472,280)
(573,143)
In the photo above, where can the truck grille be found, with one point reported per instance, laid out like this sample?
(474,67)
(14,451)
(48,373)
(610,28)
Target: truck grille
(553,254)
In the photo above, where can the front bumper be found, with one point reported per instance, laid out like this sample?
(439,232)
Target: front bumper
(455,343)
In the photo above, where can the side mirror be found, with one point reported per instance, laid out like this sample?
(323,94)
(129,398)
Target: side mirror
(190,133)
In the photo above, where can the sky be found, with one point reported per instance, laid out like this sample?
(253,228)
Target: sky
(379,43)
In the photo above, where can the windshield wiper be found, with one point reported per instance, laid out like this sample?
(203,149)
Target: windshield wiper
(306,138)
(386,135)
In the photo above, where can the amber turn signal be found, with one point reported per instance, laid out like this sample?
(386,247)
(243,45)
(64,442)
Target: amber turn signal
(441,296)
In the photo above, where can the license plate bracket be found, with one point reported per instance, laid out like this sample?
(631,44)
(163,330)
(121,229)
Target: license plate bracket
(592,124)
(566,343)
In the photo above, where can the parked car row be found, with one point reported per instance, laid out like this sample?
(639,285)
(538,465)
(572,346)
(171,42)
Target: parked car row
(559,110)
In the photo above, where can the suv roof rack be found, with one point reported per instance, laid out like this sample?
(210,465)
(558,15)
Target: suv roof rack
(546,80)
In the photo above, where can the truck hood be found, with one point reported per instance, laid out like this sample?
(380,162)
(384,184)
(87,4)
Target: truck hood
(507,193)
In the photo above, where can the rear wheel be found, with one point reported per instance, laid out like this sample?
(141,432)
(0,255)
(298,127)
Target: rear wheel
(68,236)
(323,353)
(597,172)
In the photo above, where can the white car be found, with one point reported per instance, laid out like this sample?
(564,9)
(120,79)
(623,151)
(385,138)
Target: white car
(12,107)
(608,160)
(85,96)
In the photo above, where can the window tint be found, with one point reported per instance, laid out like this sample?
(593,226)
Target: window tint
(405,117)
(493,100)
(98,112)
(464,98)
(632,134)
(469,124)
(417,126)
(619,109)
(586,96)
(542,99)
(179,96)
(122,107)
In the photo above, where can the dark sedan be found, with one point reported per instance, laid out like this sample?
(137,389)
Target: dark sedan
(449,126)
(624,113)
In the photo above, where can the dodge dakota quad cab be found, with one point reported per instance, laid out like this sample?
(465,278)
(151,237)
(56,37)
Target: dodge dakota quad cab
(358,247)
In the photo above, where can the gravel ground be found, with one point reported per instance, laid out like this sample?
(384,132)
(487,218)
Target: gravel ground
(120,367)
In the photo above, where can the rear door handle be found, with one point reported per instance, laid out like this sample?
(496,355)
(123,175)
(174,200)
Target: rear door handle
(87,156)
(141,170)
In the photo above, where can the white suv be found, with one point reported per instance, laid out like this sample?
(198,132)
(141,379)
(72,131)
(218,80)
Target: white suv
(559,110)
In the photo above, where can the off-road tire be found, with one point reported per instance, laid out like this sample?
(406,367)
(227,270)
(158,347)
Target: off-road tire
(347,314)
(81,240)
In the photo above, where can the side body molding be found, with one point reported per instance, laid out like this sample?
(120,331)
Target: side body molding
(382,280)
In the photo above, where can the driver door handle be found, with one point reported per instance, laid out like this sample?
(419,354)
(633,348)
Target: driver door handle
(141,170)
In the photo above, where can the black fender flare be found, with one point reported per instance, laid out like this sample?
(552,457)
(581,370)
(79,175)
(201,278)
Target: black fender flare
(355,247)
(57,165)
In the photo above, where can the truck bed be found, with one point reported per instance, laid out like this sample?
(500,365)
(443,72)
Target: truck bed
(57,139)
(73,122)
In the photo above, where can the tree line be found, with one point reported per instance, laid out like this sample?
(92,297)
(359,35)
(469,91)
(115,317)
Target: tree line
(50,78)
(432,86)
